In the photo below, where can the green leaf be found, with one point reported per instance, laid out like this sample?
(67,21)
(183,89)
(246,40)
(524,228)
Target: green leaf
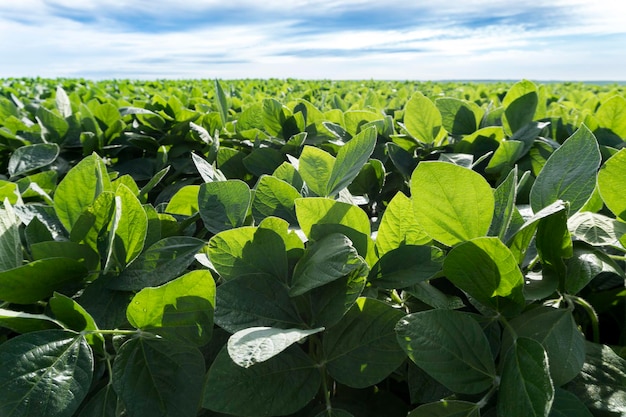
(22,322)
(526,389)
(451,347)
(106,306)
(610,116)
(316,167)
(254,345)
(207,171)
(319,217)
(569,174)
(223,205)
(520,105)
(459,117)
(158,377)
(399,226)
(222,105)
(275,117)
(567,404)
(102,404)
(182,308)
(586,264)
(80,187)
(602,381)
(350,159)
(487,270)
(130,233)
(610,184)
(335,412)
(504,196)
(361,350)
(451,203)
(274,197)
(596,229)
(29,158)
(248,250)
(45,373)
(254,301)
(10,243)
(185,201)
(324,261)
(280,386)
(422,119)
(76,318)
(54,128)
(558,333)
(447,408)
(169,256)
(37,280)
(554,244)
(406,266)
(92,225)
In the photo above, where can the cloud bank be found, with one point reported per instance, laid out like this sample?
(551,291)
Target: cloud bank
(314,39)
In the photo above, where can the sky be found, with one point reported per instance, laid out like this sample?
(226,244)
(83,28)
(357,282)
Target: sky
(564,40)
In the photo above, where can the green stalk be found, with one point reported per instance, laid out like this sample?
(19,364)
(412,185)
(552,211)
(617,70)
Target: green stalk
(593,316)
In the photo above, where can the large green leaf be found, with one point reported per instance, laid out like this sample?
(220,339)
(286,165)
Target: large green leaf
(504,196)
(361,350)
(569,174)
(554,244)
(350,159)
(596,229)
(222,104)
(558,333)
(447,408)
(451,347)
(566,404)
(487,270)
(37,280)
(248,250)
(324,261)
(80,187)
(253,345)
(319,217)
(158,377)
(45,373)
(54,128)
(610,184)
(610,116)
(451,203)
(405,266)
(131,229)
(29,158)
(459,117)
(185,201)
(274,197)
(601,385)
(399,226)
(254,301)
(422,119)
(224,205)
(316,166)
(280,386)
(526,389)
(520,105)
(10,243)
(169,256)
(182,308)
(102,404)
(587,263)
(75,317)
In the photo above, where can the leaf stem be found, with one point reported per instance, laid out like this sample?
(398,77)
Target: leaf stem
(113,332)
(591,312)
(483,401)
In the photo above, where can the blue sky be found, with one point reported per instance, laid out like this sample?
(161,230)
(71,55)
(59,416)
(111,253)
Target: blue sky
(314,39)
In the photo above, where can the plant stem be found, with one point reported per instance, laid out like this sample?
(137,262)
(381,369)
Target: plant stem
(593,316)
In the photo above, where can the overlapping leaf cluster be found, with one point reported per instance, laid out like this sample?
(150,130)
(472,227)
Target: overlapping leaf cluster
(311,249)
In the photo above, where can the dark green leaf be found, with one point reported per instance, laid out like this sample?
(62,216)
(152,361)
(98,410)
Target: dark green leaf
(406,266)
(279,386)
(169,256)
(447,408)
(275,197)
(520,105)
(487,270)
(569,174)
(459,117)
(361,350)
(54,128)
(30,158)
(45,373)
(254,301)
(223,205)
(102,404)
(567,404)
(596,229)
(585,264)
(76,318)
(526,388)
(222,104)
(350,159)
(451,347)
(157,377)
(504,196)
(21,322)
